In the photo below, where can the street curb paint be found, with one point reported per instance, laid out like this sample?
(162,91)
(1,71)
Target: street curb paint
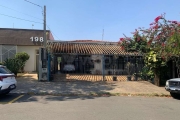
(15,99)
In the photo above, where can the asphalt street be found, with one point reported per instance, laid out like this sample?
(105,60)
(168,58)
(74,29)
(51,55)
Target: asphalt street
(28,107)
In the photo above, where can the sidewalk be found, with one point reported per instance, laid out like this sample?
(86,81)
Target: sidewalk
(29,84)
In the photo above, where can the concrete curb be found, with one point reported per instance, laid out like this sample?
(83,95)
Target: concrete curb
(102,94)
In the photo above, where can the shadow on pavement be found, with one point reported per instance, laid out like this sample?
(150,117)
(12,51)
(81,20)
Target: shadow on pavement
(31,85)
(177,97)
(67,90)
(38,91)
(48,98)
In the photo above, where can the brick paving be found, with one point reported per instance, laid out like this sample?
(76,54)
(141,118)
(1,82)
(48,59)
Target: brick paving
(80,77)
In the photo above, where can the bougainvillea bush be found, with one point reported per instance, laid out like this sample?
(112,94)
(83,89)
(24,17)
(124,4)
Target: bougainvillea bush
(159,44)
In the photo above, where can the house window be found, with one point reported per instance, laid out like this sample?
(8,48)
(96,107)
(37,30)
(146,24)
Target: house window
(120,63)
(108,60)
(7,51)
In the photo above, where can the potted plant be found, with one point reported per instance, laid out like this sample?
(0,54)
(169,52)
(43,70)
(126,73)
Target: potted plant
(129,69)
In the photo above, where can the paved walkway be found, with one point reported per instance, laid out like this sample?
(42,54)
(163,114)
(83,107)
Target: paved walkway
(28,83)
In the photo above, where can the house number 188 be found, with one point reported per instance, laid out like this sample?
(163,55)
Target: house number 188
(36,39)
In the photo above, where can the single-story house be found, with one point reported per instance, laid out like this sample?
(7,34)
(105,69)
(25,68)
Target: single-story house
(92,57)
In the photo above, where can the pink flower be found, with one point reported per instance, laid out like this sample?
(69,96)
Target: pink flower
(121,39)
(175,22)
(158,37)
(157,18)
(156,26)
(149,42)
(122,48)
(163,44)
(138,39)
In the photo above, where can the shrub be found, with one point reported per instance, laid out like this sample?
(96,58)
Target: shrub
(23,57)
(13,64)
(1,63)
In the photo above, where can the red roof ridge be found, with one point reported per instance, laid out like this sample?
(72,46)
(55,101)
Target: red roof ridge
(88,41)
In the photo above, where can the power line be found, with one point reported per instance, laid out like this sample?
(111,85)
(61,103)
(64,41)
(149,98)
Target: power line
(27,15)
(34,4)
(20,18)
(20,12)
(44,24)
(52,32)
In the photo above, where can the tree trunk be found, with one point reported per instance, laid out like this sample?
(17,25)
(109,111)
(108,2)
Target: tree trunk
(22,69)
(157,79)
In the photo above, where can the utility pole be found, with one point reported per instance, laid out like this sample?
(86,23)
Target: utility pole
(45,58)
(103,64)
(43,72)
(45,41)
(44,12)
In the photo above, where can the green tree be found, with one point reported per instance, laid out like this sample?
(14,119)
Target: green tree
(23,56)
(159,44)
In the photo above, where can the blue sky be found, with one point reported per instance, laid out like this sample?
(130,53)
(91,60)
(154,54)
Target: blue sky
(85,19)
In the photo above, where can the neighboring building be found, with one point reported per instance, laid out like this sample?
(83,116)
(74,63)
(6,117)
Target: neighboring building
(13,41)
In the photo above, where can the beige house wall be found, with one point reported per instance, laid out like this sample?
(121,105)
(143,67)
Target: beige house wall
(31,51)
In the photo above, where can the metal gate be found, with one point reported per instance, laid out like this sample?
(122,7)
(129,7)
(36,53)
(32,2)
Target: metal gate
(93,62)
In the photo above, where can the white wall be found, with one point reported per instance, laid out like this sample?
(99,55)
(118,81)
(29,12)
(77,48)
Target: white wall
(97,66)
(31,51)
